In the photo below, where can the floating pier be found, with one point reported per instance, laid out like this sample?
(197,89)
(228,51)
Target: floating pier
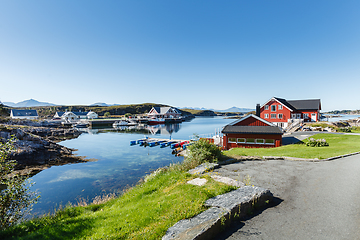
(176,145)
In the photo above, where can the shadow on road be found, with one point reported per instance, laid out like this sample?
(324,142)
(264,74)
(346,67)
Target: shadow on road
(236,225)
(290,140)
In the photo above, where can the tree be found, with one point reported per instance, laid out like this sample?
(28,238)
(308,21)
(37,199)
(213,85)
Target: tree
(107,114)
(16,199)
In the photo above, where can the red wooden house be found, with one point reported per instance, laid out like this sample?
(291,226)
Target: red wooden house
(251,132)
(283,112)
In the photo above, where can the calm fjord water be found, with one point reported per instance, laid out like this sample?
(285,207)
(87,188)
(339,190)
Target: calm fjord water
(116,164)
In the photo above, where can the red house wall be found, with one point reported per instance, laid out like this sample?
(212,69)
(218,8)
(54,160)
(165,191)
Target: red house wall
(309,112)
(276,137)
(251,122)
(284,111)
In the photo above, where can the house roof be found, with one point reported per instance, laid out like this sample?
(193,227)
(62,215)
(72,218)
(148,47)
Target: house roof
(24,113)
(60,114)
(164,110)
(252,129)
(293,105)
(254,116)
(269,129)
(306,104)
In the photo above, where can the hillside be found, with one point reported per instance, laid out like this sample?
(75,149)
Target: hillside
(200,112)
(4,111)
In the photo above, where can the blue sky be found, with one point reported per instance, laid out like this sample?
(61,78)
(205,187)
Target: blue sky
(213,54)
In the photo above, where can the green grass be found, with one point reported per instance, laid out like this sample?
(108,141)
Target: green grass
(338,145)
(355,129)
(145,211)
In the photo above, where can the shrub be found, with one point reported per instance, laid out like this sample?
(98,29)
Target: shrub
(344,129)
(199,152)
(317,143)
(15,200)
(107,114)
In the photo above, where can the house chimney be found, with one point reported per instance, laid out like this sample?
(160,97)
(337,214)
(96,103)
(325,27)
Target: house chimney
(258,110)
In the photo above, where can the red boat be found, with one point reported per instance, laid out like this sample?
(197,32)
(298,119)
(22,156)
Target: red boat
(155,121)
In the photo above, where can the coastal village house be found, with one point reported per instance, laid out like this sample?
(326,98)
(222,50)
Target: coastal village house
(23,114)
(285,113)
(251,132)
(74,116)
(164,112)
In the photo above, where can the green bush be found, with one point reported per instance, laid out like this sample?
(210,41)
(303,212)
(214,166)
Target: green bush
(16,199)
(344,129)
(199,152)
(317,143)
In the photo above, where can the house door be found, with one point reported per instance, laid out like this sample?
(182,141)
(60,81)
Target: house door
(313,117)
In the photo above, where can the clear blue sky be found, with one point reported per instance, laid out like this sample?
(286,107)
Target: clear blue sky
(213,54)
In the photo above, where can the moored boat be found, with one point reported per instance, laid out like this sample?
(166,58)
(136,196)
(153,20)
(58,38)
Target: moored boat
(155,121)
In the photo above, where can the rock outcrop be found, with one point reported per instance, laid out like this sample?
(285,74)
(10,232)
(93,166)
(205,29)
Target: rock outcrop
(36,147)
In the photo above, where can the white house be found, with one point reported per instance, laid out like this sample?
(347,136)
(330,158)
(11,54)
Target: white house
(24,114)
(75,115)
(91,115)
(164,112)
(69,117)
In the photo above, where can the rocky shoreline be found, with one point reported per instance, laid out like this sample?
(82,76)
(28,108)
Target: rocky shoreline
(36,145)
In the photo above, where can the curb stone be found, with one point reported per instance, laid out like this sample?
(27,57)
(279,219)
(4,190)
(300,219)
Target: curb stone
(203,168)
(223,208)
(232,160)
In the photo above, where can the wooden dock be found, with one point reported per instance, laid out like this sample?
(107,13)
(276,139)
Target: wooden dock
(152,142)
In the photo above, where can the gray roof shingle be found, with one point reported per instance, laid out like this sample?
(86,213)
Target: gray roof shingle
(252,129)
(24,113)
(308,104)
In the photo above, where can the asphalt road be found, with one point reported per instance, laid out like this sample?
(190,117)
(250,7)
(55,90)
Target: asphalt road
(313,200)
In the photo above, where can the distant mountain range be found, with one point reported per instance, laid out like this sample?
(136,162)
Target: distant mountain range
(35,103)
(28,103)
(232,109)
(102,104)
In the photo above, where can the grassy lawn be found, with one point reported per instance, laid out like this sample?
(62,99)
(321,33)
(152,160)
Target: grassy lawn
(355,129)
(338,145)
(145,211)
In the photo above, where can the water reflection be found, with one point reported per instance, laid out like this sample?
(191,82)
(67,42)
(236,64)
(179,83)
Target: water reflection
(160,129)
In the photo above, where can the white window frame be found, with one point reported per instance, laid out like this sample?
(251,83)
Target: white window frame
(250,142)
(266,107)
(273,108)
(229,141)
(280,116)
(273,143)
(280,107)
(237,140)
(256,141)
(273,116)
(266,115)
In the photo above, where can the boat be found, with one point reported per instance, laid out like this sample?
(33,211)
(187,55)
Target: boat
(155,121)
(80,125)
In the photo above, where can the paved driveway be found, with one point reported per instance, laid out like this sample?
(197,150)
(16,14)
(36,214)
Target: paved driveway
(313,200)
